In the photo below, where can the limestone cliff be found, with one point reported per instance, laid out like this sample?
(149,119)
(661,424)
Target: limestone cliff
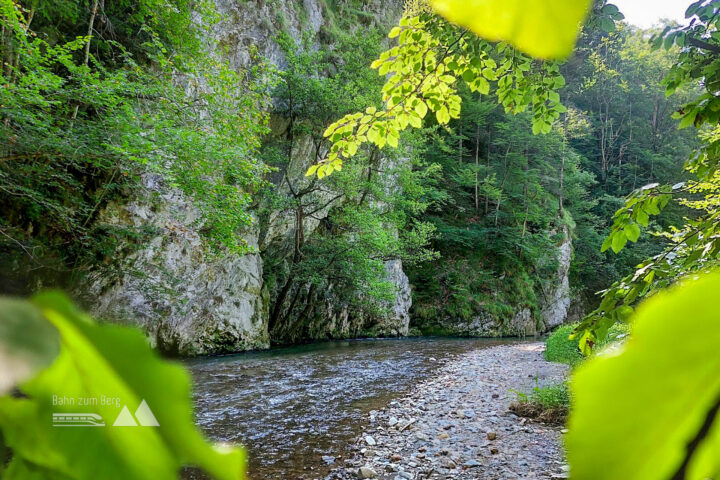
(190,302)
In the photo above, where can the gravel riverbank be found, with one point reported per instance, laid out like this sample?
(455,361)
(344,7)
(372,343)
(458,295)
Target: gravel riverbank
(456,425)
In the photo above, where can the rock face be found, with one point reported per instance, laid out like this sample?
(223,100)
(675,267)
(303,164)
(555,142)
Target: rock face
(557,297)
(554,308)
(190,303)
(399,319)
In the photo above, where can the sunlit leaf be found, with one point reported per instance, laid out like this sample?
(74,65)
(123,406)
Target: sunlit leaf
(632,232)
(637,410)
(541,28)
(619,239)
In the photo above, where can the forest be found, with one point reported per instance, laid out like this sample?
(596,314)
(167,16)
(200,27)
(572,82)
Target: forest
(525,191)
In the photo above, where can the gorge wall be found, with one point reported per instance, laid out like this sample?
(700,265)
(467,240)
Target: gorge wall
(192,302)
(502,315)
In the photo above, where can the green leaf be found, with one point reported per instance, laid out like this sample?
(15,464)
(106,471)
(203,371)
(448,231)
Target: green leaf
(442,115)
(541,28)
(619,239)
(392,140)
(607,243)
(607,25)
(651,206)
(104,362)
(632,232)
(311,171)
(27,342)
(637,409)
(483,87)
(421,109)
(687,120)
(469,75)
(642,217)
(415,121)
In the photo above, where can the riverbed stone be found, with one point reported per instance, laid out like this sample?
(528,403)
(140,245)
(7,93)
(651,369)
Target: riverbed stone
(367,472)
(486,441)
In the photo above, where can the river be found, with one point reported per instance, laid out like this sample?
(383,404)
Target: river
(291,406)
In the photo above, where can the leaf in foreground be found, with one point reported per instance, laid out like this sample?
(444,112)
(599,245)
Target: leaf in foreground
(650,408)
(542,28)
(105,362)
(27,342)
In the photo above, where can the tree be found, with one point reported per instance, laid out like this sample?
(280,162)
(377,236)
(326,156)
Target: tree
(692,246)
(431,57)
(344,230)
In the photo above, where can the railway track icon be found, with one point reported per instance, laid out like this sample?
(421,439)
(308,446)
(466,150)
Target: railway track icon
(77,420)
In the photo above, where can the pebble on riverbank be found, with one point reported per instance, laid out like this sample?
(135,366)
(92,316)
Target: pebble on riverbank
(457,425)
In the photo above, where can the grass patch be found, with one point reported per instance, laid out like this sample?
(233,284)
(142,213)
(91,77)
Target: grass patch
(551,396)
(548,404)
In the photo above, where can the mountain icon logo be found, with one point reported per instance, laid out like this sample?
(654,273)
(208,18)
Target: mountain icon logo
(143,417)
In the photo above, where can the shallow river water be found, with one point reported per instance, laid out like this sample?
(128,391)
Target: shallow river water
(291,406)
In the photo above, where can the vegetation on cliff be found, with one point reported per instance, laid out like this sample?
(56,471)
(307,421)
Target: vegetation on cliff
(93,96)
(473,190)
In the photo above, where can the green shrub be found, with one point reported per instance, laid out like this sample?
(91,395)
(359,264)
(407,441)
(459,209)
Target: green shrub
(561,349)
(551,396)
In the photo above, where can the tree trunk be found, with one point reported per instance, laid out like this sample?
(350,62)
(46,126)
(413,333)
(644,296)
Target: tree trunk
(31,15)
(487,164)
(502,185)
(297,254)
(561,187)
(91,27)
(477,169)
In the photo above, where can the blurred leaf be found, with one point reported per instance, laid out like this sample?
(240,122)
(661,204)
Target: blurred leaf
(541,28)
(638,409)
(106,362)
(27,342)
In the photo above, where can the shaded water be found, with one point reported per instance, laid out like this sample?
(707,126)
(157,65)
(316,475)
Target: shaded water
(291,406)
